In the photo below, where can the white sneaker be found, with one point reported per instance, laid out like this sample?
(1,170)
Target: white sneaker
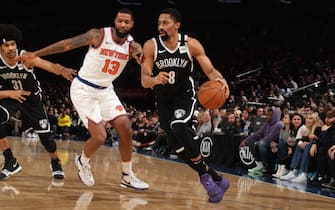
(130,180)
(84,172)
(301,178)
(258,168)
(281,171)
(291,175)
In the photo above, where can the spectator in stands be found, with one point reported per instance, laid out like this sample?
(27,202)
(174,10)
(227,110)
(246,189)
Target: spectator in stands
(228,126)
(258,121)
(300,161)
(205,125)
(64,124)
(216,118)
(259,142)
(281,150)
(320,146)
(246,122)
(331,163)
(74,129)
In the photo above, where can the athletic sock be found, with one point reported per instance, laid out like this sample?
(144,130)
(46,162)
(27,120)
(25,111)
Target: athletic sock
(8,155)
(126,167)
(84,158)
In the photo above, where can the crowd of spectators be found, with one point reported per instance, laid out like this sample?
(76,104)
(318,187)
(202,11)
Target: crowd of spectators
(262,73)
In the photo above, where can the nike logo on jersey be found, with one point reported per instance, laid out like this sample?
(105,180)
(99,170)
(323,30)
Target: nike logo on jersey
(161,51)
(108,42)
(3,67)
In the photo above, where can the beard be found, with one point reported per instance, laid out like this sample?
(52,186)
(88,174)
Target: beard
(164,37)
(122,34)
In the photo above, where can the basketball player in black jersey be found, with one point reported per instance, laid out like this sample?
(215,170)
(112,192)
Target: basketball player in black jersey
(20,90)
(167,68)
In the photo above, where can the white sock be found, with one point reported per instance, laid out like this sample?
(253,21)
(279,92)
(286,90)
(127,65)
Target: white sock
(126,167)
(84,159)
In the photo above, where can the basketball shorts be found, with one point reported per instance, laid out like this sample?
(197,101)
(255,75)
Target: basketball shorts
(95,104)
(32,112)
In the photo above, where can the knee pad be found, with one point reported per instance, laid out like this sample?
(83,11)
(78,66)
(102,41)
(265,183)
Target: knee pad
(4,115)
(48,143)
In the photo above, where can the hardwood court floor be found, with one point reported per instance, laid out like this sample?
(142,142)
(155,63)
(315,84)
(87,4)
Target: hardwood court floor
(173,186)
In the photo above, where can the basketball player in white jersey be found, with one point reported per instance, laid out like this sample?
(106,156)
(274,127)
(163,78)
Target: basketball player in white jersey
(92,91)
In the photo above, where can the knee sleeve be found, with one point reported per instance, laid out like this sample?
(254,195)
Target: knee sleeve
(4,115)
(48,143)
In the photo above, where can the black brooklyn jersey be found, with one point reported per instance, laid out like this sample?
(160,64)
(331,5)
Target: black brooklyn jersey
(178,63)
(18,77)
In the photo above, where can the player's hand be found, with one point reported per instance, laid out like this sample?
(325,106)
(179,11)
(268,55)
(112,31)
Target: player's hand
(313,150)
(221,80)
(224,85)
(68,73)
(26,56)
(162,78)
(19,95)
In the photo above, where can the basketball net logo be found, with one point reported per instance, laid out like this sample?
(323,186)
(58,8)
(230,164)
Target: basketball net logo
(246,156)
(205,146)
(43,123)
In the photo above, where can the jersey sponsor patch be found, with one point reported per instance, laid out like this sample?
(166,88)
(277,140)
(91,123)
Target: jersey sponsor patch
(179,113)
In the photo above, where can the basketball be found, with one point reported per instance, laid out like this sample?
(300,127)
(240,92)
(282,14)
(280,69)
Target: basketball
(212,94)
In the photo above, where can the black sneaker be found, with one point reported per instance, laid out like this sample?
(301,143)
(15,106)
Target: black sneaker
(12,167)
(56,167)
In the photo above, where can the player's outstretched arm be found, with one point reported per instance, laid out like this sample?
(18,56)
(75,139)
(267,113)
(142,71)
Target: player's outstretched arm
(56,69)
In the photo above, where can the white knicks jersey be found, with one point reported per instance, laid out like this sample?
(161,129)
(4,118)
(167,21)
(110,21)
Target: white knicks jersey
(103,64)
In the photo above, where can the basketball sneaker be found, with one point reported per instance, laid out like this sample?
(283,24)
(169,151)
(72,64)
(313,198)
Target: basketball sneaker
(10,168)
(214,192)
(84,172)
(223,184)
(56,167)
(131,181)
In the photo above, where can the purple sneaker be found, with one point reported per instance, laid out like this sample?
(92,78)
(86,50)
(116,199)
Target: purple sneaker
(223,184)
(215,193)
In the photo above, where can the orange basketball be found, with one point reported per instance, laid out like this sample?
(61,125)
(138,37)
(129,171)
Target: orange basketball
(212,94)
